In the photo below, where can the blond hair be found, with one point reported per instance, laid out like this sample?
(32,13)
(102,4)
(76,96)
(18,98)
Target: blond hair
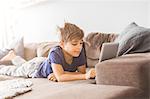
(70,32)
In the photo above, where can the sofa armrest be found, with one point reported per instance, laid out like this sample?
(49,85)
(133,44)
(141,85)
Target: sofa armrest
(123,71)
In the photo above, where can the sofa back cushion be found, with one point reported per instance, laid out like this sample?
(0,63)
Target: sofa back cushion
(125,31)
(44,48)
(134,39)
(93,43)
(30,50)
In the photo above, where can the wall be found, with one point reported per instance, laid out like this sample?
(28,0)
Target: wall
(39,22)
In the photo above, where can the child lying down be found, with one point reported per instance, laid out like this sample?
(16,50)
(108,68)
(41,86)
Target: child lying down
(65,62)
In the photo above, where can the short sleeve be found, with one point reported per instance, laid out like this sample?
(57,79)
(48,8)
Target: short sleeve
(55,58)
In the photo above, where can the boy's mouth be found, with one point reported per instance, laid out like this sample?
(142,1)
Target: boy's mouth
(77,51)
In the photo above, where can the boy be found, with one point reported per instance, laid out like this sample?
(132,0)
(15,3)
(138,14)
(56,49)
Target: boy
(67,61)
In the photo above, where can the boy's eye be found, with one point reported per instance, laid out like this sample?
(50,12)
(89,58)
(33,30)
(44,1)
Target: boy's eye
(74,44)
(81,43)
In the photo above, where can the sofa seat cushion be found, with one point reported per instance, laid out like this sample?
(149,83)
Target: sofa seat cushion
(44,89)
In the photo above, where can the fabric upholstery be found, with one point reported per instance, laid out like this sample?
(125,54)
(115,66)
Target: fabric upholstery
(127,70)
(135,39)
(44,48)
(120,78)
(93,43)
(30,50)
(92,47)
(107,87)
(124,32)
(71,90)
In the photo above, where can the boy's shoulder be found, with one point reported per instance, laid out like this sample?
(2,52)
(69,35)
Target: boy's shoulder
(56,49)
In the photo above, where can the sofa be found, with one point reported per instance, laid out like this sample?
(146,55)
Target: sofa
(124,77)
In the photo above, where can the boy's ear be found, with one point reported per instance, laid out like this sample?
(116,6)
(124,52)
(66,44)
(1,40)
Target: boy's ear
(62,44)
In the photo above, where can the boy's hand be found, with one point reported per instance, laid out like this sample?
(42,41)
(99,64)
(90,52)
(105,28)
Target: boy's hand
(52,77)
(90,74)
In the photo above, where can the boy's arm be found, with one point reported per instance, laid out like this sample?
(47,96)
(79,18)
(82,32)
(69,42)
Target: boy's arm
(61,75)
(82,69)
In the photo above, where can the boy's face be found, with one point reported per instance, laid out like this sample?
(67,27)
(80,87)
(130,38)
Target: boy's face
(73,47)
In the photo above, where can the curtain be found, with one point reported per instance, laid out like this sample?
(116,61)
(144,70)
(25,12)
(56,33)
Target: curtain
(7,14)
(3,33)
(6,27)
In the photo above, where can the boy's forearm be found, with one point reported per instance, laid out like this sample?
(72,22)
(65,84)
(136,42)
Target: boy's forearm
(66,72)
(71,77)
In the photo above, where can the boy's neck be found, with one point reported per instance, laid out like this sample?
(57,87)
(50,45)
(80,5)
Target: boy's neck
(67,56)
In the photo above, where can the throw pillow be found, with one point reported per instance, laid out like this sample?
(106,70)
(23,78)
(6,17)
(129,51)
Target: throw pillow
(30,50)
(18,46)
(43,48)
(127,29)
(92,44)
(136,39)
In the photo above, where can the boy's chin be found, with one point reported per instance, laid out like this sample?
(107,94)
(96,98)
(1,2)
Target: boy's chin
(75,55)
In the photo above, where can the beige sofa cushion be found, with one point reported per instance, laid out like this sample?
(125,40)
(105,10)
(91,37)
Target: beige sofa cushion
(44,47)
(30,50)
(73,90)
